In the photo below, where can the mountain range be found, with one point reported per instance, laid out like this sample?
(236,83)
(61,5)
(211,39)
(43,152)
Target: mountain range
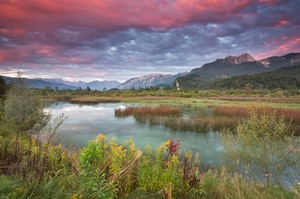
(61,84)
(151,80)
(232,66)
(225,68)
(93,85)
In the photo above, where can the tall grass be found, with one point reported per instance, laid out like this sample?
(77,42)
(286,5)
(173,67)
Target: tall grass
(148,111)
(29,157)
(201,124)
(290,115)
(221,117)
(242,111)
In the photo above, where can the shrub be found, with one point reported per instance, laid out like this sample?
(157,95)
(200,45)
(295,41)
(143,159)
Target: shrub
(262,146)
(23,112)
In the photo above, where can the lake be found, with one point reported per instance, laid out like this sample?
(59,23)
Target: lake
(85,122)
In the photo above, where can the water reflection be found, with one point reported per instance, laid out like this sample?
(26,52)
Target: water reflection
(84,122)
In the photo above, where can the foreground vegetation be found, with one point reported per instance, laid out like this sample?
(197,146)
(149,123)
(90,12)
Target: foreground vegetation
(105,169)
(30,168)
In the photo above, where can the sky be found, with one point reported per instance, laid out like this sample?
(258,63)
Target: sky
(119,39)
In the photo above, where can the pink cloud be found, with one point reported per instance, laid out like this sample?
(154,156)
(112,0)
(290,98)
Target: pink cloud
(45,50)
(281,46)
(2,56)
(77,59)
(282,22)
(107,14)
(12,32)
(269,2)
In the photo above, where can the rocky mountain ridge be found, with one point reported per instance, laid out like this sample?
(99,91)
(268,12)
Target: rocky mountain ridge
(232,66)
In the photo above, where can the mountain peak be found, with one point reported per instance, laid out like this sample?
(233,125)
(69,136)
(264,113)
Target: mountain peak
(239,59)
(246,57)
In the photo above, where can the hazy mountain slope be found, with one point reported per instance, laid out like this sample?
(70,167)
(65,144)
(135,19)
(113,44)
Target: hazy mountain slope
(39,83)
(150,80)
(94,85)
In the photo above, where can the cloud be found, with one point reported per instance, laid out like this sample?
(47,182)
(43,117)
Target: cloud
(104,39)
(117,14)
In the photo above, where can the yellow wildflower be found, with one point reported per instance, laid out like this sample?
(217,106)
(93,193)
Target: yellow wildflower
(101,138)
(188,155)
(76,196)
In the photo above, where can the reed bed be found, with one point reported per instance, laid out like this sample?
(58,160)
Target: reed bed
(290,115)
(240,111)
(221,118)
(201,124)
(148,111)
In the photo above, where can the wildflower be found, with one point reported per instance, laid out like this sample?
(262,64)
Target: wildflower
(188,155)
(75,196)
(148,149)
(101,138)
(173,147)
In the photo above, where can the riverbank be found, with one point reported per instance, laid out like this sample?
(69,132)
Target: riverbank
(193,102)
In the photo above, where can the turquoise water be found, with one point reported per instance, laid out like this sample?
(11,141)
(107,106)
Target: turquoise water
(85,122)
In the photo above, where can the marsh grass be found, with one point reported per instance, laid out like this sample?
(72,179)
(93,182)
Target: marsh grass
(291,115)
(243,111)
(148,111)
(214,118)
(171,117)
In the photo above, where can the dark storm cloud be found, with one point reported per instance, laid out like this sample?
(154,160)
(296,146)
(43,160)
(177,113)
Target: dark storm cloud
(120,39)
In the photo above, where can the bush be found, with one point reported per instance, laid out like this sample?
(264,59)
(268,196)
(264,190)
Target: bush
(23,112)
(263,147)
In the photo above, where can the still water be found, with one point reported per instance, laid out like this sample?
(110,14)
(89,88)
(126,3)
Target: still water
(85,122)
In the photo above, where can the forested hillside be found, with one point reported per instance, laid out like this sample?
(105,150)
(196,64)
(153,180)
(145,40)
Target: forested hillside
(284,78)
